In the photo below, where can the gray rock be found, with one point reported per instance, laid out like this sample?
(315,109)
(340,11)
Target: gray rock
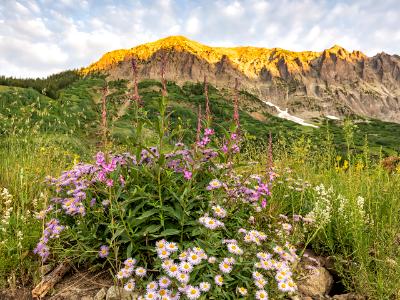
(349,296)
(101,294)
(118,293)
(316,283)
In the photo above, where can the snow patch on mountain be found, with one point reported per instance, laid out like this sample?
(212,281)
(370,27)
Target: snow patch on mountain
(285,115)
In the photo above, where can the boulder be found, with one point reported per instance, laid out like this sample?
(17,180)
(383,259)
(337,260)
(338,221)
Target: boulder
(118,293)
(317,282)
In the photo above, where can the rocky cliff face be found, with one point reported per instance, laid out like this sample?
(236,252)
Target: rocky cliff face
(310,84)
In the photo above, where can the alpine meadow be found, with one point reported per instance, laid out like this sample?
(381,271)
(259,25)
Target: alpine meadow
(178,170)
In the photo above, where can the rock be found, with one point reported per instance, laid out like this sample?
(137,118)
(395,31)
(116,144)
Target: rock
(349,296)
(316,283)
(101,294)
(87,298)
(118,293)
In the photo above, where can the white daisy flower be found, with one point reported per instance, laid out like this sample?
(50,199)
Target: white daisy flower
(185,267)
(261,295)
(219,280)
(192,292)
(205,286)
(152,286)
(242,291)
(141,272)
(130,285)
(164,282)
(225,267)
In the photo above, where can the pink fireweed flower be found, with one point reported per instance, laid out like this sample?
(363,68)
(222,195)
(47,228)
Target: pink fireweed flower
(187,174)
(219,280)
(224,148)
(214,184)
(109,182)
(104,251)
(209,131)
(264,203)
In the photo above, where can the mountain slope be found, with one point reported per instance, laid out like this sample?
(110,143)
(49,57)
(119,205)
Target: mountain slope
(309,84)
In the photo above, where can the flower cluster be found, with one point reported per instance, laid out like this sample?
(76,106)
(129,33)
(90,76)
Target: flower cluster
(52,231)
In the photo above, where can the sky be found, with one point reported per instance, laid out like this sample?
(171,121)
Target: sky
(42,37)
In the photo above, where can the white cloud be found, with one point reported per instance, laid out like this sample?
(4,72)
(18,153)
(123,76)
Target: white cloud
(40,36)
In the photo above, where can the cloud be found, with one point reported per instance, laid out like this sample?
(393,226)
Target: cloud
(38,37)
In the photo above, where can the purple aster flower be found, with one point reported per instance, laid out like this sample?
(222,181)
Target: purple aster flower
(104,251)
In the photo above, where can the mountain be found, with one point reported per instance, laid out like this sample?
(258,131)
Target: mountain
(334,82)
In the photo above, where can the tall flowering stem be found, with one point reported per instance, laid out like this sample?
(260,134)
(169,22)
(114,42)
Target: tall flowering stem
(208,111)
(163,81)
(104,114)
(136,96)
(198,125)
(236,105)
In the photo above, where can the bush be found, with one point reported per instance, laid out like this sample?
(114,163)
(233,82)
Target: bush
(205,223)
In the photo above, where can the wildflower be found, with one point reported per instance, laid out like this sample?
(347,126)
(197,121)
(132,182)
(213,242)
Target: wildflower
(183,255)
(235,249)
(229,260)
(163,253)
(163,292)
(173,270)
(214,184)
(204,286)
(171,247)
(141,272)
(261,295)
(183,277)
(219,211)
(212,259)
(130,285)
(225,267)
(152,286)
(257,275)
(192,292)
(160,244)
(185,267)
(104,251)
(150,295)
(242,291)
(219,280)
(130,262)
(167,263)
(187,174)
(109,182)
(194,258)
(260,283)
(164,282)
(264,255)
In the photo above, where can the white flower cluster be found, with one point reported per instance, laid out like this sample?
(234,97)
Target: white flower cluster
(353,211)
(6,208)
(321,214)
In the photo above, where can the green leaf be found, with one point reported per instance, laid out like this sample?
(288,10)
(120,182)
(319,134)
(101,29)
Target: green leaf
(147,214)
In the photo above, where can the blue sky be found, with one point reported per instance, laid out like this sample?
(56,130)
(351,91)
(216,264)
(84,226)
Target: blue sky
(40,37)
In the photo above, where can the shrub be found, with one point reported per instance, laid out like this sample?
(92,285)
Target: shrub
(187,205)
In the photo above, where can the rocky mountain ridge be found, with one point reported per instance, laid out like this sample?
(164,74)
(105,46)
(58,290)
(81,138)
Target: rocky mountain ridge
(310,84)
